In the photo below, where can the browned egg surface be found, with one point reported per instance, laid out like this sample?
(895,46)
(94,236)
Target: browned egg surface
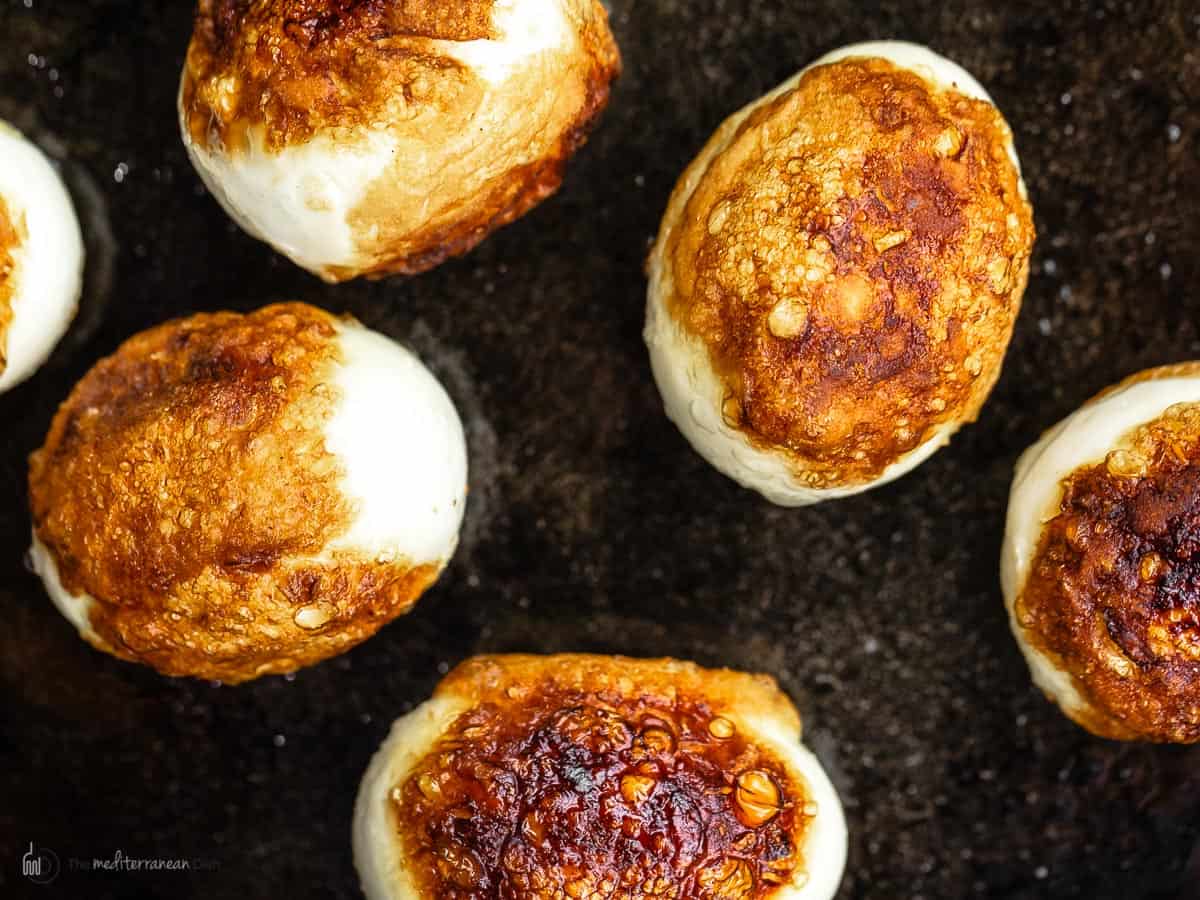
(185,486)
(608,793)
(10,240)
(854,258)
(1113,594)
(294,65)
(473,155)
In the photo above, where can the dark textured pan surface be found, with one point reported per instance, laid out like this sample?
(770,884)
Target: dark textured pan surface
(591,524)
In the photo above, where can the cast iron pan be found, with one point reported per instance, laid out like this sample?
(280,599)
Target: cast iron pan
(591,524)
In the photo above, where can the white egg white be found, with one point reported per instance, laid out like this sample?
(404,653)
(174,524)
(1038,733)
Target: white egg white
(402,449)
(403,456)
(692,392)
(48,274)
(1084,438)
(384,871)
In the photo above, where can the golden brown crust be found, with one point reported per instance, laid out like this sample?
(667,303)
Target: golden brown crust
(572,775)
(11,236)
(295,66)
(185,486)
(853,257)
(1113,594)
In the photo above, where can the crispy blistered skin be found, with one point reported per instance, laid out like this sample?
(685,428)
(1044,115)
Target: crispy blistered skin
(438,124)
(185,496)
(1110,597)
(851,253)
(294,67)
(581,775)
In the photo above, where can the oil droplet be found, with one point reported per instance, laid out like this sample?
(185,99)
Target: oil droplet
(459,865)
(429,786)
(888,241)
(757,798)
(720,214)
(948,143)
(731,411)
(727,878)
(1151,567)
(721,728)
(788,319)
(658,740)
(636,789)
(811,809)
(312,616)
(1125,464)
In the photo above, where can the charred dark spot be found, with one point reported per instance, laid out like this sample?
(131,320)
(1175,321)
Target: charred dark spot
(1123,551)
(252,560)
(559,792)
(890,115)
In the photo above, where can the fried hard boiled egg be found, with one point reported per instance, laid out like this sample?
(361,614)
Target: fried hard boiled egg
(586,776)
(837,274)
(232,495)
(1101,559)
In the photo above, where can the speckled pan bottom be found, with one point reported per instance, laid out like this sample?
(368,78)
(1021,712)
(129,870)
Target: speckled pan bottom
(591,525)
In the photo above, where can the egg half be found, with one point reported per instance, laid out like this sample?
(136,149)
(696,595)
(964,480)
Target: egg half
(232,495)
(836,277)
(580,775)
(1099,567)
